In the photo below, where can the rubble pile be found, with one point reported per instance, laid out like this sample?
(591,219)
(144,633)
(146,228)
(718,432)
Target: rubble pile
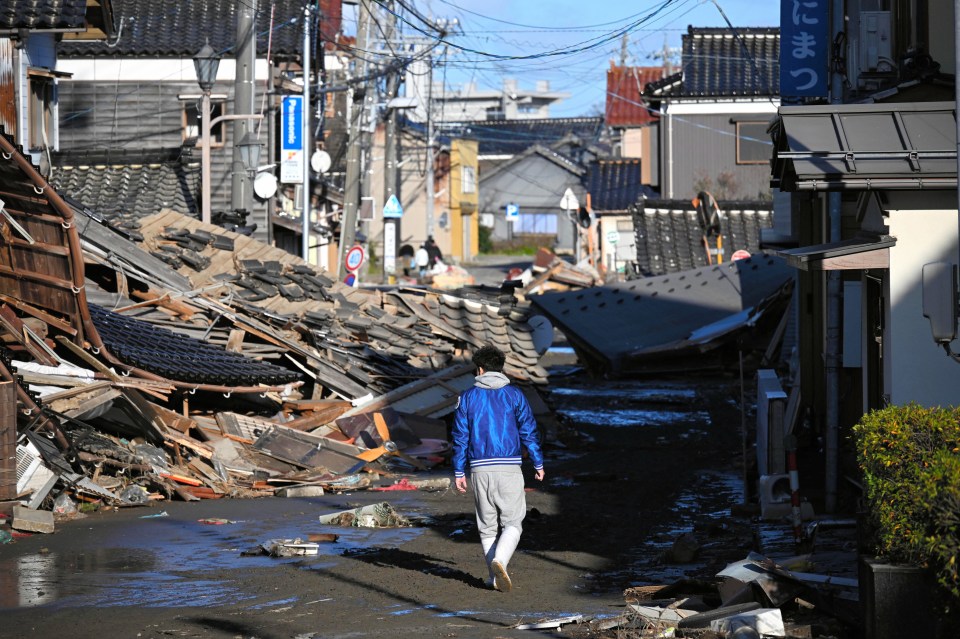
(549,273)
(181,360)
(755,597)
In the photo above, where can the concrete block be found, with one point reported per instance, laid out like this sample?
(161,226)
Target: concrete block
(300,491)
(29,520)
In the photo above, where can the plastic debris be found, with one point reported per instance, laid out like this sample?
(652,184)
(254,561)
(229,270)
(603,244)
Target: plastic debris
(289,547)
(380,515)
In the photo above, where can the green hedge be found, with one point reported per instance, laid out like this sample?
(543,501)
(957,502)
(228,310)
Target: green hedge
(910,458)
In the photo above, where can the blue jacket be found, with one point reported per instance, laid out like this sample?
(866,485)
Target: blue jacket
(493,419)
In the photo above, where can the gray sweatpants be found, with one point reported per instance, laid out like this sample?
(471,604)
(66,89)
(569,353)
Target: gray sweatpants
(498,497)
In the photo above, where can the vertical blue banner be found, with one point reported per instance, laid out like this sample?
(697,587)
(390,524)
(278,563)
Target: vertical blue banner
(292,122)
(291,140)
(804,48)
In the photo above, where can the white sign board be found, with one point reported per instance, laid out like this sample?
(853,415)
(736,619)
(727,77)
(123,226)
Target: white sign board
(389,246)
(613,237)
(569,201)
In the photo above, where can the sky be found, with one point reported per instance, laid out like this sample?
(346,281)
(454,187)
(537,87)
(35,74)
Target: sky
(570,43)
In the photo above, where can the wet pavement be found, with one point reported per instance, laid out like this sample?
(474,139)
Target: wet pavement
(166,557)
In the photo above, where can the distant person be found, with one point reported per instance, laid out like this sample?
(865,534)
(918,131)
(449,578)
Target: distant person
(422,259)
(493,423)
(433,251)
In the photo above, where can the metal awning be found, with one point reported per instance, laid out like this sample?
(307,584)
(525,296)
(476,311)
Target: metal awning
(866,146)
(856,253)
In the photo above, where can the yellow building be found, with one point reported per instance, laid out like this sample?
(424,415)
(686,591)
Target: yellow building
(464,199)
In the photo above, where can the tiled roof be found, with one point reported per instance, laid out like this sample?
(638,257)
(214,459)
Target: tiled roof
(509,137)
(669,322)
(124,186)
(174,356)
(43,14)
(182,27)
(625,106)
(721,62)
(614,185)
(669,238)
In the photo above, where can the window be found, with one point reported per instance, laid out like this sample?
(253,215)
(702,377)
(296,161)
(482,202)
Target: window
(753,143)
(191,122)
(536,224)
(468,179)
(40,112)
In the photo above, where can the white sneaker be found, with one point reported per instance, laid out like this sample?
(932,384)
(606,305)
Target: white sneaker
(502,577)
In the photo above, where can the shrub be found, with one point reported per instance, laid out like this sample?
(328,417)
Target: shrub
(910,458)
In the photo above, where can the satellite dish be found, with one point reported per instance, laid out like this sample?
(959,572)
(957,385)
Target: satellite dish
(320,161)
(265,185)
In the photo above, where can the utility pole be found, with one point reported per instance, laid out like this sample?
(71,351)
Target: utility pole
(307,144)
(241,196)
(624,52)
(391,186)
(355,160)
(832,350)
(430,155)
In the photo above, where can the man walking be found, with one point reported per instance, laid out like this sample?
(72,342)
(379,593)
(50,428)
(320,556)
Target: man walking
(493,420)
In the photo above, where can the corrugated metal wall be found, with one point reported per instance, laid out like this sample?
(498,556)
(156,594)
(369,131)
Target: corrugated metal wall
(140,115)
(705,146)
(8,101)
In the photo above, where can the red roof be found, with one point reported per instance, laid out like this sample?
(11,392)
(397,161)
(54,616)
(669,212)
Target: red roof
(624,88)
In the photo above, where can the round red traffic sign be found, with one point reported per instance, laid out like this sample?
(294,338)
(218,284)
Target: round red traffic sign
(354,258)
(350,279)
(740,255)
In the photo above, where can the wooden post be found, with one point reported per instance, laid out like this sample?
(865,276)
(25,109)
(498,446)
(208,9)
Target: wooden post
(8,441)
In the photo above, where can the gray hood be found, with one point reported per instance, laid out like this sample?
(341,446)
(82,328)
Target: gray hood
(491,380)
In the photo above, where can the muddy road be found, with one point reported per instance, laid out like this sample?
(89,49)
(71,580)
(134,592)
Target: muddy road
(645,463)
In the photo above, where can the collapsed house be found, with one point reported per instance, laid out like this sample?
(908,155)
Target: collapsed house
(121,350)
(683,321)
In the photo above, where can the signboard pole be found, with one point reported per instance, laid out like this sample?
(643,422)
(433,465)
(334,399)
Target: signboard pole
(305,114)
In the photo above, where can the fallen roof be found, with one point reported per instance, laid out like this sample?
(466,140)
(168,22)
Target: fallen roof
(620,328)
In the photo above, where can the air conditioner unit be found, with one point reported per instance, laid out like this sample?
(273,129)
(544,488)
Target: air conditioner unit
(870,55)
(771,402)
(33,478)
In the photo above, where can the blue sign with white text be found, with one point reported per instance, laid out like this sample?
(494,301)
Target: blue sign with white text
(292,121)
(804,48)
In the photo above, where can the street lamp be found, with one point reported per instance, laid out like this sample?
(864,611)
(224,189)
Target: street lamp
(249,152)
(206,62)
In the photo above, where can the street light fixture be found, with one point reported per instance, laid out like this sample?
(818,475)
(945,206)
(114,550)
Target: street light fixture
(206,62)
(249,152)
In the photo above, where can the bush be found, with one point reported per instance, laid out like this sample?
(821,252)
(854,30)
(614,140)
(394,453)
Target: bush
(485,238)
(910,458)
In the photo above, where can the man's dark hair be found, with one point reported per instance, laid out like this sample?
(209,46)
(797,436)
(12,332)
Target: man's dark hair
(489,358)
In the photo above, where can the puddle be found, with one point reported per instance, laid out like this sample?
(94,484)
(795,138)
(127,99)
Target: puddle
(160,562)
(623,417)
(653,394)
